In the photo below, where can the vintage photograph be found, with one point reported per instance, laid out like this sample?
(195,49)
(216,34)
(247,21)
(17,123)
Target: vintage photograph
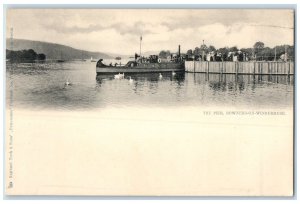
(149,102)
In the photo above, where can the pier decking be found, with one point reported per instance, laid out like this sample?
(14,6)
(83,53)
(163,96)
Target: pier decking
(255,68)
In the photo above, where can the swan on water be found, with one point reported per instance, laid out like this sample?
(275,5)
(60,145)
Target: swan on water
(119,76)
(160,76)
(67,83)
(173,73)
(130,80)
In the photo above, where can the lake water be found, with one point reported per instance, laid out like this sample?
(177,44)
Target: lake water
(42,86)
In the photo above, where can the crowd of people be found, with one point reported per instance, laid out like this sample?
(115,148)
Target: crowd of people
(217,56)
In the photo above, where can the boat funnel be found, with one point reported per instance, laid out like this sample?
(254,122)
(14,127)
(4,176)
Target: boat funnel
(179,50)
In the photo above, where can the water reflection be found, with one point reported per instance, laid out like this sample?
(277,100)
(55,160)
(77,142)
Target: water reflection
(43,87)
(224,82)
(282,79)
(151,77)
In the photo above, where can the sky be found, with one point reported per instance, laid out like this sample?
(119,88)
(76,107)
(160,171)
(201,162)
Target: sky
(119,30)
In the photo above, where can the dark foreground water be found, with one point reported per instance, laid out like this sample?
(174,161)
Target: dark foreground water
(42,86)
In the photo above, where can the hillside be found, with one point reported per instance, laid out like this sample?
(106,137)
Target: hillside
(55,51)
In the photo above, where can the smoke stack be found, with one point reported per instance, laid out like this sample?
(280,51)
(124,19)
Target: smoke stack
(179,50)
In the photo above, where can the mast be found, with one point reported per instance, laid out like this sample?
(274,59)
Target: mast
(11,38)
(141,46)
(285,50)
(202,50)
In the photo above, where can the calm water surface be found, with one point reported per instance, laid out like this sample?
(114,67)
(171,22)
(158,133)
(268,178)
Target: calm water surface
(42,86)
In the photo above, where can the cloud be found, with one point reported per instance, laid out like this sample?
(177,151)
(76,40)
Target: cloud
(60,28)
(138,28)
(229,17)
(198,18)
(112,30)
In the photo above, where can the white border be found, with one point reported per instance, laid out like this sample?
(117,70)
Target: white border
(147,2)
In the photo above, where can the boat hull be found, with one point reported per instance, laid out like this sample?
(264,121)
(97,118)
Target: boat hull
(142,68)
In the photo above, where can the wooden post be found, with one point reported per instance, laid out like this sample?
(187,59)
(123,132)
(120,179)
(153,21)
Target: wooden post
(285,68)
(269,68)
(236,68)
(194,65)
(254,68)
(289,69)
(207,67)
(276,67)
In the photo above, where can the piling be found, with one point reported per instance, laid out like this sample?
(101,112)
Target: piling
(207,67)
(253,68)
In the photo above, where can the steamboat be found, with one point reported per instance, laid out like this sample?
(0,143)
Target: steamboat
(151,64)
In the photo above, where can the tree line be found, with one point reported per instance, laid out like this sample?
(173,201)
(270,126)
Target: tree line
(24,56)
(258,53)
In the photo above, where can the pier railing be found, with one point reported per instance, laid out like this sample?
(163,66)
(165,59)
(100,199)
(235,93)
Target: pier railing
(273,68)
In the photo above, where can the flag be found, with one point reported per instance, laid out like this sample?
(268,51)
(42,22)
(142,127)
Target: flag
(141,38)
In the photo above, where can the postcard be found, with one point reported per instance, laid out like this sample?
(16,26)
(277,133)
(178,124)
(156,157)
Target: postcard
(149,102)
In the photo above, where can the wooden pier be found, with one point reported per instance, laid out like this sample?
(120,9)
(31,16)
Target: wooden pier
(254,68)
